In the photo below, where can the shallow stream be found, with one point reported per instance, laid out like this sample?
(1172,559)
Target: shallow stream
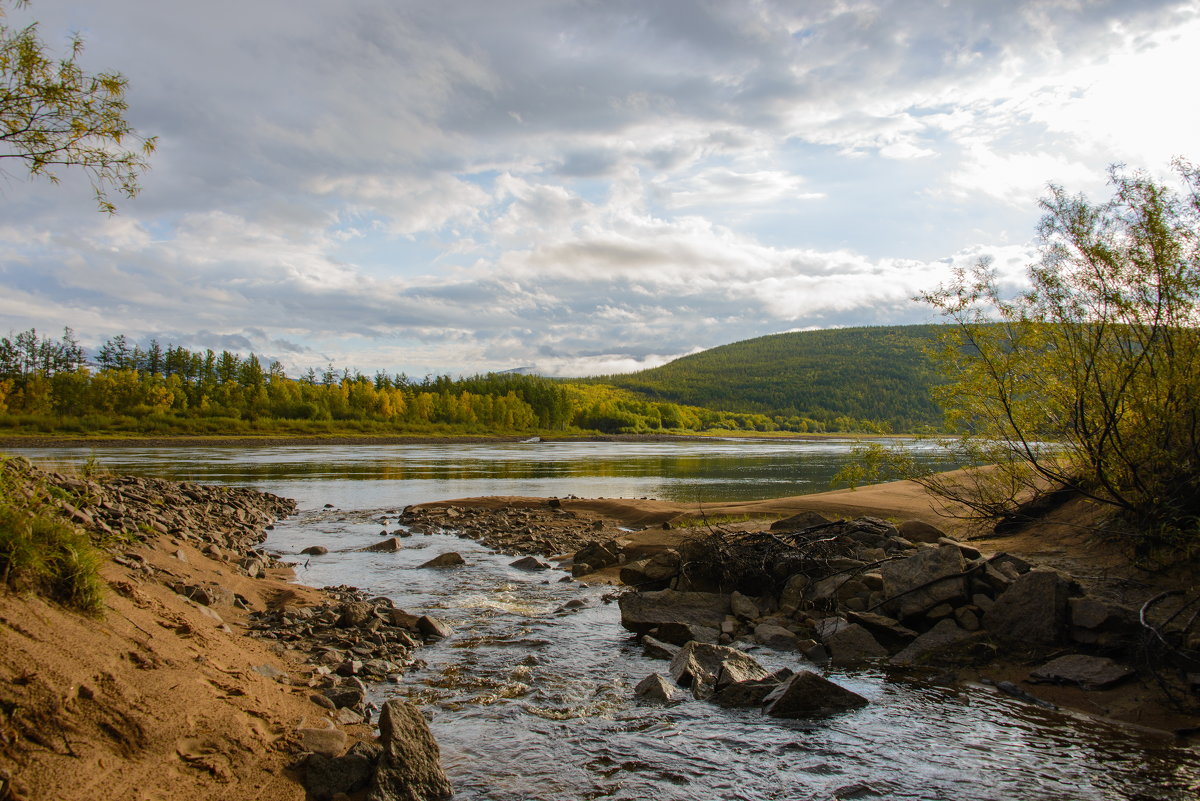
(531,699)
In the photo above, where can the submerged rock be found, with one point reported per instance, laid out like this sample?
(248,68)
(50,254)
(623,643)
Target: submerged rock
(529,563)
(449,559)
(390,545)
(656,688)
(433,627)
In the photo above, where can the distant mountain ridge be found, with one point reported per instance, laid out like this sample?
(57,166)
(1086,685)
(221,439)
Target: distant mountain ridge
(877,373)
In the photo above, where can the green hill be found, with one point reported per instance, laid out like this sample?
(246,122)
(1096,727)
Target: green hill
(876,373)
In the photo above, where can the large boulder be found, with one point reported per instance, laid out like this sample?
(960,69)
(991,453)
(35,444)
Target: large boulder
(409,768)
(752,692)
(853,645)
(656,570)
(920,531)
(706,668)
(921,582)
(945,643)
(1096,622)
(807,695)
(1032,611)
(643,611)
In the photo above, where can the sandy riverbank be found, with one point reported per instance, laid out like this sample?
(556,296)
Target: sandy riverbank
(208,672)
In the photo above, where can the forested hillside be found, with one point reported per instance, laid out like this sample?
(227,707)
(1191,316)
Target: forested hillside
(50,385)
(878,373)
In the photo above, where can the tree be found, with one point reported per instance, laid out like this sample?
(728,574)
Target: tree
(53,114)
(1087,383)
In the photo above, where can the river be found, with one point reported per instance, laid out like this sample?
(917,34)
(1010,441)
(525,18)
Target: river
(533,700)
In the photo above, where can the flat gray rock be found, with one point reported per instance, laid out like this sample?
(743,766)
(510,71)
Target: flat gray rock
(657,649)
(1089,672)
(643,611)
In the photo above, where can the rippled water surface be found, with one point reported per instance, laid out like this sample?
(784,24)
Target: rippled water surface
(531,700)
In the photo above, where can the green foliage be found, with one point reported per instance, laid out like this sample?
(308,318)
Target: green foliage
(1087,381)
(830,380)
(39,551)
(53,114)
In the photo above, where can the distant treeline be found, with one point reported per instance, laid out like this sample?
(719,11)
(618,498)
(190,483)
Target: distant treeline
(47,384)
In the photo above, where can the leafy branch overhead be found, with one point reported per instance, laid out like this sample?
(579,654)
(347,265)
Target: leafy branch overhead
(54,114)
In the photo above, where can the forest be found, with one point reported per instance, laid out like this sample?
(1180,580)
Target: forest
(881,373)
(51,385)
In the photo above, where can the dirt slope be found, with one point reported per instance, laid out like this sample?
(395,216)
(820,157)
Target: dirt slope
(160,699)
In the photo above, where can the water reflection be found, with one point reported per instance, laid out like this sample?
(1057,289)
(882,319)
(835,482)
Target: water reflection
(359,476)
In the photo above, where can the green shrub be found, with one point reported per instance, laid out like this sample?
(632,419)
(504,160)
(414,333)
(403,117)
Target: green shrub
(43,553)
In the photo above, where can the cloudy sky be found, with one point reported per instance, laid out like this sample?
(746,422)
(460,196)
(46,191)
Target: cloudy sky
(577,187)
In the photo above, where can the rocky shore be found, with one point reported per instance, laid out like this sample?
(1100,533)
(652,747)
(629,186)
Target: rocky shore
(863,592)
(209,674)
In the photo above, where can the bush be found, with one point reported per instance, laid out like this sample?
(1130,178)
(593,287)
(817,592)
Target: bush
(1087,382)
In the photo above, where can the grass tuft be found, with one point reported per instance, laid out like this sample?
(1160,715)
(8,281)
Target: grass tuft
(43,553)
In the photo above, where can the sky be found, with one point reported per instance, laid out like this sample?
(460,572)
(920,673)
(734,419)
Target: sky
(576,188)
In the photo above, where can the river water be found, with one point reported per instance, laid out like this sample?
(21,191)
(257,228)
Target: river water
(532,699)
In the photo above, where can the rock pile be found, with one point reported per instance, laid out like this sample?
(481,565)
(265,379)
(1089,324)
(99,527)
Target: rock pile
(545,530)
(730,678)
(353,636)
(853,592)
(226,522)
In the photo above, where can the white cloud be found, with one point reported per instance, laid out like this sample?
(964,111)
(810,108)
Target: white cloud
(578,187)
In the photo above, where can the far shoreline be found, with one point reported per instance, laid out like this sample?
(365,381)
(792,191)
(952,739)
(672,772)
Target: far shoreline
(203,441)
